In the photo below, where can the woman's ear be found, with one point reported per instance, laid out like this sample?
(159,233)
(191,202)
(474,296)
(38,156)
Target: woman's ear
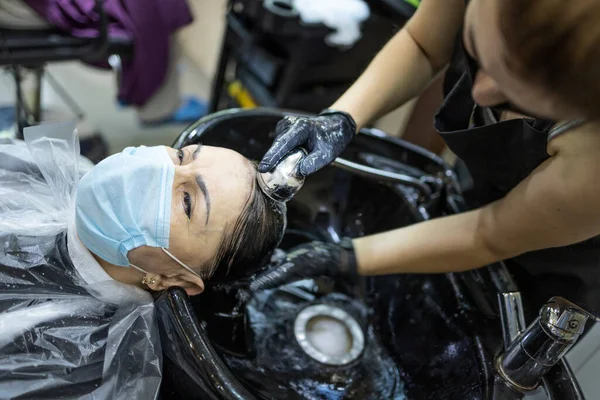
(151,257)
(192,285)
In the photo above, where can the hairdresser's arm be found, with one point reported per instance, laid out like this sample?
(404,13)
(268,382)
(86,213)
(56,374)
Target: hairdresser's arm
(398,73)
(557,205)
(407,63)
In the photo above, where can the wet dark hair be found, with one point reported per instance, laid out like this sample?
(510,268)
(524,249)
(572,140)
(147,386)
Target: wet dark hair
(255,235)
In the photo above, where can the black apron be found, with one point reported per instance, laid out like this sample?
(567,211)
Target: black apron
(499,155)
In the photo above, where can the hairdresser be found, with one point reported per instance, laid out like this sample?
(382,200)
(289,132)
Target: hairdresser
(521,104)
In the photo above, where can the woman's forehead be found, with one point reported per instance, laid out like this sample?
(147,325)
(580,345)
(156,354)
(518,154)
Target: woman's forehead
(230,180)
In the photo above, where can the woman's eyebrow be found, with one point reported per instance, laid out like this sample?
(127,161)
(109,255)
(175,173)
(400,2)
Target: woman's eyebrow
(202,185)
(196,152)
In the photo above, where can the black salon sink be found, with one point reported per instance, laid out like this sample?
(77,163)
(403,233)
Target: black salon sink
(425,336)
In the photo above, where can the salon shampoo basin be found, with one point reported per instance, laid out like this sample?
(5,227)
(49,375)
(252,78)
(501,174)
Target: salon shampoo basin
(392,337)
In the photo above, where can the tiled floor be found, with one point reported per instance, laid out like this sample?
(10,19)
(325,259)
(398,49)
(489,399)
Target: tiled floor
(94,90)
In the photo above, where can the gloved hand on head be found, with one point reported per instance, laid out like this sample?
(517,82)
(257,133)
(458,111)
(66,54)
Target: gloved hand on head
(324,136)
(311,260)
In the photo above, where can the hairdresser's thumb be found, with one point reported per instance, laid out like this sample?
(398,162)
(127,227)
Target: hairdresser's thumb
(265,165)
(274,155)
(284,143)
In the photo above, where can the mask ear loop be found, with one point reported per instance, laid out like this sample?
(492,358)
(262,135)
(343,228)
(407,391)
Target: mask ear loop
(180,263)
(138,268)
(146,280)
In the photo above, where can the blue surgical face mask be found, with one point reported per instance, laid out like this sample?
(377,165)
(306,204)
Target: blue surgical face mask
(124,202)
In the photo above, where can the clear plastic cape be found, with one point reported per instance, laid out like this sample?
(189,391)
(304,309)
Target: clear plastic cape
(61,337)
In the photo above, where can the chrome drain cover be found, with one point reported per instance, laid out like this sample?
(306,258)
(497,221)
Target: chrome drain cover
(329,334)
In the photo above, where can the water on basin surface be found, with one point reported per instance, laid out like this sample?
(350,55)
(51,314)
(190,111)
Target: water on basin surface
(281,369)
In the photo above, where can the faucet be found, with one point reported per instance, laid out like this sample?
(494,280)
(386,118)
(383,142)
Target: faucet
(534,354)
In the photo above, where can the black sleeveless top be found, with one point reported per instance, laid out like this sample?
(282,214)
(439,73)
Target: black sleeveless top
(499,155)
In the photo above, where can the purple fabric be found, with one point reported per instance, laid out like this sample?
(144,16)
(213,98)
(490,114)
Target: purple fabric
(149,23)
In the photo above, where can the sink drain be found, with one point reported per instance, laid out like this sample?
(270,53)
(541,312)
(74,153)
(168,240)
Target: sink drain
(329,334)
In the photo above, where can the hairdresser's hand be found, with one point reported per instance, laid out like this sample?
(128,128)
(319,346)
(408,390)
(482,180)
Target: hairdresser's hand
(324,136)
(311,260)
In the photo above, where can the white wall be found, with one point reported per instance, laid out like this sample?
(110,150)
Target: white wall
(201,41)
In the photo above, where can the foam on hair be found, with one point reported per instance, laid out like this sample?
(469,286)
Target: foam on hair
(253,239)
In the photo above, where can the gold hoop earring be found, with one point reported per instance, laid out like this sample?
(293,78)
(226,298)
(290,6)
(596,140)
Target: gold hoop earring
(147,280)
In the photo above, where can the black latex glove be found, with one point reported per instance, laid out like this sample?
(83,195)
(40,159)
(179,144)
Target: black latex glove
(324,136)
(310,260)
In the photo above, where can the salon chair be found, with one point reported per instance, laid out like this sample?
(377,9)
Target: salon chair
(452,336)
(32,50)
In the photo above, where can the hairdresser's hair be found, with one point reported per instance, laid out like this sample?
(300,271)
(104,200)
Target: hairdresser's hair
(255,235)
(556,44)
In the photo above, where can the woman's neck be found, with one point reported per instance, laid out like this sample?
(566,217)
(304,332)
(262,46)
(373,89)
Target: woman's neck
(126,275)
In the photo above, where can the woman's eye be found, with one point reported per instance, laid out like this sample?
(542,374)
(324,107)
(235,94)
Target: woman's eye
(180,156)
(187,204)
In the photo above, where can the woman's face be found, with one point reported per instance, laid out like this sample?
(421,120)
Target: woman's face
(210,190)
(494,82)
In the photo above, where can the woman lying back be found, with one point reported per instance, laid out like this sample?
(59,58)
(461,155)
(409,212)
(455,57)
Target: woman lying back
(157,217)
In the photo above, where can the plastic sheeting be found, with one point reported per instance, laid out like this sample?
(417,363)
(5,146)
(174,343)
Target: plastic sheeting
(60,336)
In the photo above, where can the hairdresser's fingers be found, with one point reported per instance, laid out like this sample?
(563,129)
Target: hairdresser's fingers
(315,161)
(283,124)
(286,141)
(281,146)
(285,273)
